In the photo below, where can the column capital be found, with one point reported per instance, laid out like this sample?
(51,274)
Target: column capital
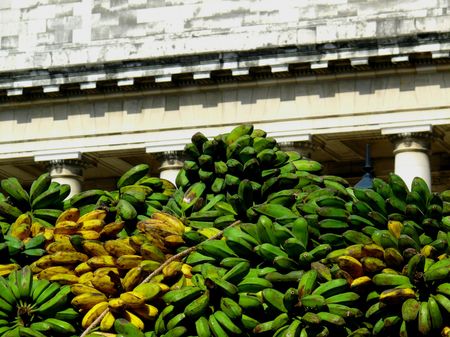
(305,148)
(170,160)
(412,141)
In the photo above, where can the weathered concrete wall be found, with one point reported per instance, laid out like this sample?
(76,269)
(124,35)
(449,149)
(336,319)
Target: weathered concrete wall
(58,33)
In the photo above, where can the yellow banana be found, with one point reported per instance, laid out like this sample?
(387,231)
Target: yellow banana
(101,261)
(132,299)
(96,214)
(47,273)
(119,247)
(107,321)
(82,268)
(89,234)
(6,269)
(172,269)
(132,278)
(93,314)
(86,301)
(21,231)
(36,228)
(351,266)
(147,312)
(68,258)
(48,234)
(173,241)
(105,284)
(111,229)
(395,227)
(86,278)
(133,319)
(186,269)
(44,262)
(62,246)
(94,248)
(157,226)
(396,295)
(66,227)
(93,224)
(71,214)
(105,270)
(171,220)
(64,278)
(128,261)
(78,289)
(116,303)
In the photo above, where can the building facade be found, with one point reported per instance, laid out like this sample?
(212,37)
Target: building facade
(89,88)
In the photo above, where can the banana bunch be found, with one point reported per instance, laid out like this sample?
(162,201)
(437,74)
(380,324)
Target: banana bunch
(137,196)
(30,307)
(234,171)
(44,201)
(130,299)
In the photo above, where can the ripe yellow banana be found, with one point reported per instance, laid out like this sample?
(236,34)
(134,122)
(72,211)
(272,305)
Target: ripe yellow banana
(82,268)
(119,247)
(111,229)
(94,248)
(93,314)
(105,284)
(96,214)
(68,258)
(96,262)
(47,273)
(71,214)
(173,241)
(64,278)
(157,226)
(89,234)
(93,224)
(86,301)
(174,222)
(147,312)
(86,279)
(132,278)
(66,227)
(128,261)
(133,319)
(107,321)
(132,299)
(60,246)
(78,289)
(351,266)
(116,303)
(172,269)
(36,228)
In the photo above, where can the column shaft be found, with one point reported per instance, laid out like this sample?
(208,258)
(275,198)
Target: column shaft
(171,164)
(68,172)
(412,159)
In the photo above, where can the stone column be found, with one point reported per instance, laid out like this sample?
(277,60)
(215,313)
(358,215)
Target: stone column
(412,150)
(171,163)
(67,171)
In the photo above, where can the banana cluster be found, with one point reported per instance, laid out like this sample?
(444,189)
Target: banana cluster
(37,308)
(225,176)
(44,201)
(106,273)
(137,196)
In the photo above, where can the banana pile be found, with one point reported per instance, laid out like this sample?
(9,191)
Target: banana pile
(37,308)
(311,256)
(137,196)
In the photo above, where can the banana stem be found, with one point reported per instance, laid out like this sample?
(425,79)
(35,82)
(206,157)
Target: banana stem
(158,270)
